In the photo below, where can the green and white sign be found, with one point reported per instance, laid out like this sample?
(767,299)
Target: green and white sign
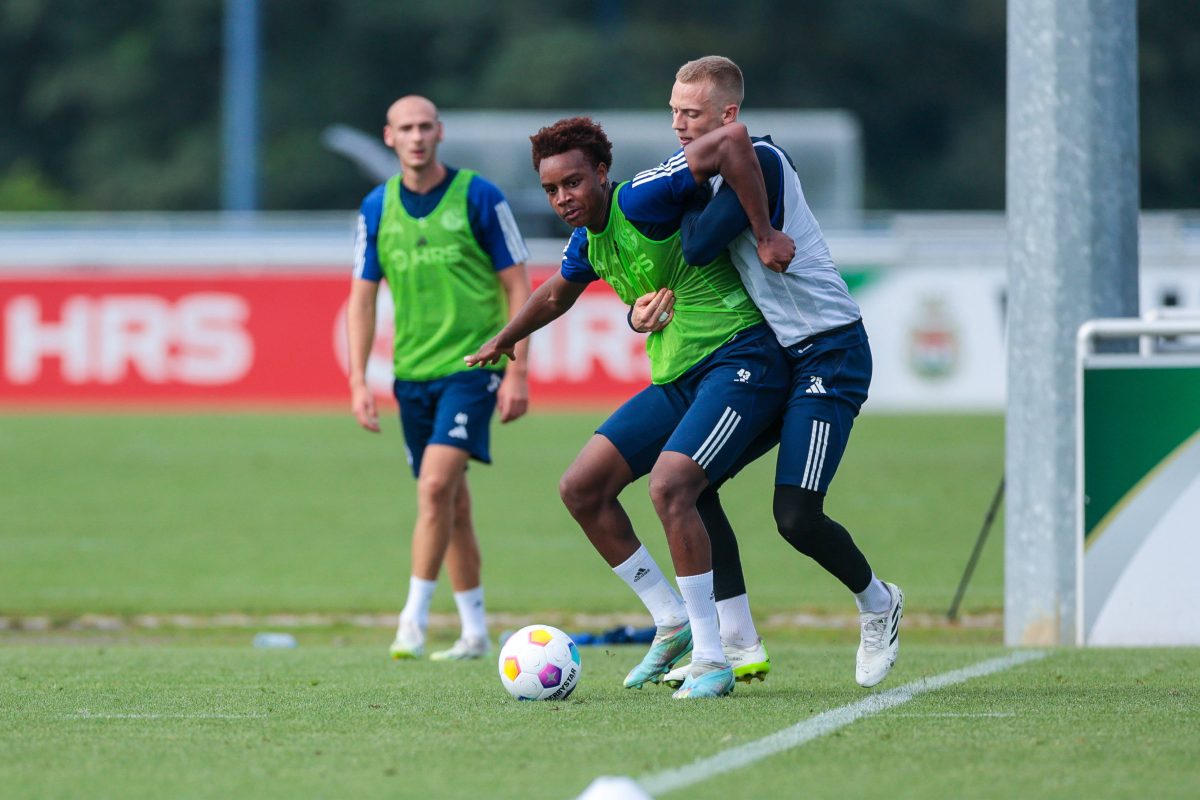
(1139,514)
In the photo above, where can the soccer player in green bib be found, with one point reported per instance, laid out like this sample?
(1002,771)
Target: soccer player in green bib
(447,245)
(718,376)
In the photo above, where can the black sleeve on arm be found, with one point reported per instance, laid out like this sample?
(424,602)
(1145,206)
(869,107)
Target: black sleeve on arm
(708,228)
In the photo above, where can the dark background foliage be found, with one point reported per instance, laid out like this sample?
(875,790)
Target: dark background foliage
(115,104)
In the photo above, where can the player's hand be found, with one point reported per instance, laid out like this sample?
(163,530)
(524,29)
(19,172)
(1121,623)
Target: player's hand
(490,353)
(512,398)
(776,251)
(362,403)
(653,311)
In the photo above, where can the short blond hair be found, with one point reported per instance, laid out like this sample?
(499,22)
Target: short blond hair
(719,71)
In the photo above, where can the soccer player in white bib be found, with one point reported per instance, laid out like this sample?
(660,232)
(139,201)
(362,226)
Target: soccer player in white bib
(814,318)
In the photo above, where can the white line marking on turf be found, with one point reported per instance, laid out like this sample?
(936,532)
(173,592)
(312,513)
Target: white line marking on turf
(822,724)
(948,714)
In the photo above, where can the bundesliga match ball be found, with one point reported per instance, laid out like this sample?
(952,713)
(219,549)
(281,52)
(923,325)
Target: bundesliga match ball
(539,662)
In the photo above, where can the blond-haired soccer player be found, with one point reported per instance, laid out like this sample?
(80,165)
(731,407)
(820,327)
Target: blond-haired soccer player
(817,322)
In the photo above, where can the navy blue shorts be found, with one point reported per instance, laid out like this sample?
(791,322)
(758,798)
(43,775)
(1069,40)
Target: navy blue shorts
(711,412)
(830,376)
(455,410)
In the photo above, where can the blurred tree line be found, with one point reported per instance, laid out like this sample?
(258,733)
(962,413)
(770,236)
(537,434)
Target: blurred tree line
(115,104)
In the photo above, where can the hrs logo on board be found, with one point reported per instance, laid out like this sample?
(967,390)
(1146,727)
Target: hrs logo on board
(199,338)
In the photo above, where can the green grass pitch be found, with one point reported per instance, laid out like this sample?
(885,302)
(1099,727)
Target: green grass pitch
(127,514)
(107,521)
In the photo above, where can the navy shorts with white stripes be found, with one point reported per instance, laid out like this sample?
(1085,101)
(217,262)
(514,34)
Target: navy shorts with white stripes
(455,410)
(711,412)
(830,379)
(830,376)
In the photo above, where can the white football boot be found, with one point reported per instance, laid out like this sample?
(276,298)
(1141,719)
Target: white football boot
(464,649)
(879,641)
(410,641)
(749,664)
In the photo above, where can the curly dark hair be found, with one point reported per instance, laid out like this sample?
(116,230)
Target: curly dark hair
(572,133)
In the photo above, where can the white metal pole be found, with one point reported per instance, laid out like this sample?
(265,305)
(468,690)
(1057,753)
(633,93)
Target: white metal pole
(1072,203)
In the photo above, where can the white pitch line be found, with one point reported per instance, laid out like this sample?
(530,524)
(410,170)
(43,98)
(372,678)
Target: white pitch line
(823,724)
(973,716)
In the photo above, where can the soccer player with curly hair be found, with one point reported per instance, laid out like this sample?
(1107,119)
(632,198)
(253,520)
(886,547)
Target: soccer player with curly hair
(718,376)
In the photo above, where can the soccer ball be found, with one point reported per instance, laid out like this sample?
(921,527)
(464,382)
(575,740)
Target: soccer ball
(539,662)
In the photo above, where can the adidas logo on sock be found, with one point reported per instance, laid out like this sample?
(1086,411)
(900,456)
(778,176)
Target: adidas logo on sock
(641,573)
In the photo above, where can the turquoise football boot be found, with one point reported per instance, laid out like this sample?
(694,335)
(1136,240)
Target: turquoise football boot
(706,680)
(668,647)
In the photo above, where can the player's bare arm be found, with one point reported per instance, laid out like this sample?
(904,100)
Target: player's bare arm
(652,311)
(729,152)
(360,336)
(548,303)
(512,398)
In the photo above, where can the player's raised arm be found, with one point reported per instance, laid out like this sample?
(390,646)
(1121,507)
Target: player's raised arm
(729,152)
(549,302)
(711,224)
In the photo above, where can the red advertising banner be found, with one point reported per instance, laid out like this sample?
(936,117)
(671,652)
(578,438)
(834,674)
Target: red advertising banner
(206,338)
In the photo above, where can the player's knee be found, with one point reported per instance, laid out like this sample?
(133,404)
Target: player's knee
(580,494)
(673,490)
(664,494)
(800,516)
(436,491)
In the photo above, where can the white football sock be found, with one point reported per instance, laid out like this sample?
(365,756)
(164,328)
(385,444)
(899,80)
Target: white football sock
(697,591)
(737,626)
(470,611)
(875,599)
(420,595)
(642,574)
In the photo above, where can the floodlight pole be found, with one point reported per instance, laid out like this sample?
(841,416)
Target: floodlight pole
(1072,202)
(239,107)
